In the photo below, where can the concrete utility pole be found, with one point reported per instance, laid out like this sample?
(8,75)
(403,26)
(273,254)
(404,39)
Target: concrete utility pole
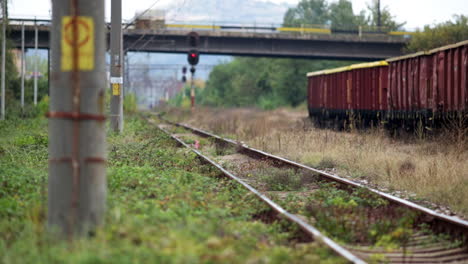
(36,55)
(77,152)
(379,15)
(116,121)
(4,4)
(22,65)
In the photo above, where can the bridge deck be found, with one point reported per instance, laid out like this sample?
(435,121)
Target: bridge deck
(267,44)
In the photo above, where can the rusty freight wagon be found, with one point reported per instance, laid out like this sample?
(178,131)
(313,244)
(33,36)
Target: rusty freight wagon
(353,93)
(422,89)
(429,86)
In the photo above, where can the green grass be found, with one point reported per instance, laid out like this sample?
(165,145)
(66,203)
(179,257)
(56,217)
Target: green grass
(281,179)
(163,206)
(359,216)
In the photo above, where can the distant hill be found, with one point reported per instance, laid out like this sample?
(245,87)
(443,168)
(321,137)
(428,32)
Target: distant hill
(244,11)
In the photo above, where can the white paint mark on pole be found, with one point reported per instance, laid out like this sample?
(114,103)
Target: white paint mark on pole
(116,80)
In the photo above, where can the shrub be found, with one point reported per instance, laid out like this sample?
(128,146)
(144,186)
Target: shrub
(281,179)
(130,103)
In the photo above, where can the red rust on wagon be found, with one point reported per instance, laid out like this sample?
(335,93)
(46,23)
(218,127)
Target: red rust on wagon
(429,86)
(430,83)
(359,89)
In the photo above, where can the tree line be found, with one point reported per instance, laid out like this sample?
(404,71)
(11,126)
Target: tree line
(269,83)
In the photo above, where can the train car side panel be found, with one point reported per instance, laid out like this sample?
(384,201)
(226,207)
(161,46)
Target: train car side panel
(349,91)
(343,91)
(422,76)
(441,80)
(464,81)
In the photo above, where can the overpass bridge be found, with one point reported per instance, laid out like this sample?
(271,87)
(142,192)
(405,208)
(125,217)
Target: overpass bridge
(218,41)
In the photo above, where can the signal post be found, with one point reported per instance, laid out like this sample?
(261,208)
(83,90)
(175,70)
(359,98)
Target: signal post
(193,58)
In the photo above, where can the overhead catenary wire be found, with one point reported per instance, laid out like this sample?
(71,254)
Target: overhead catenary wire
(133,21)
(184,2)
(178,9)
(141,14)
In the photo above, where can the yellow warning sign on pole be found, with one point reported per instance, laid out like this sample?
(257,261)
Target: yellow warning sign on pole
(77,43)
(116,89)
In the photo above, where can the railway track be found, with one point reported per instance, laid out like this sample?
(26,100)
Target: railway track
(370,225)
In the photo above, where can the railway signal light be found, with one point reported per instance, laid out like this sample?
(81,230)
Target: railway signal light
(193,39)
(184,70)
(192,70)
(193,57)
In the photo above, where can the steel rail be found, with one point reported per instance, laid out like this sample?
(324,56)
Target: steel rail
(459,223)
(312,231)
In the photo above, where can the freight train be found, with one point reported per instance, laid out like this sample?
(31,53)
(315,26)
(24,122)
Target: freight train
(425,89)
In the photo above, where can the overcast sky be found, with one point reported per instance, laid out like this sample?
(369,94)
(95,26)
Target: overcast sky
(416,13)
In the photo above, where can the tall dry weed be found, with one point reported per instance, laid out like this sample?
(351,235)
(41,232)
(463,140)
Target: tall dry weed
(435,168)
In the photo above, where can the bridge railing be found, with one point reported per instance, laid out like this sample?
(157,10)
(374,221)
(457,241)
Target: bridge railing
(30,21)
(240,27)
(275,28)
